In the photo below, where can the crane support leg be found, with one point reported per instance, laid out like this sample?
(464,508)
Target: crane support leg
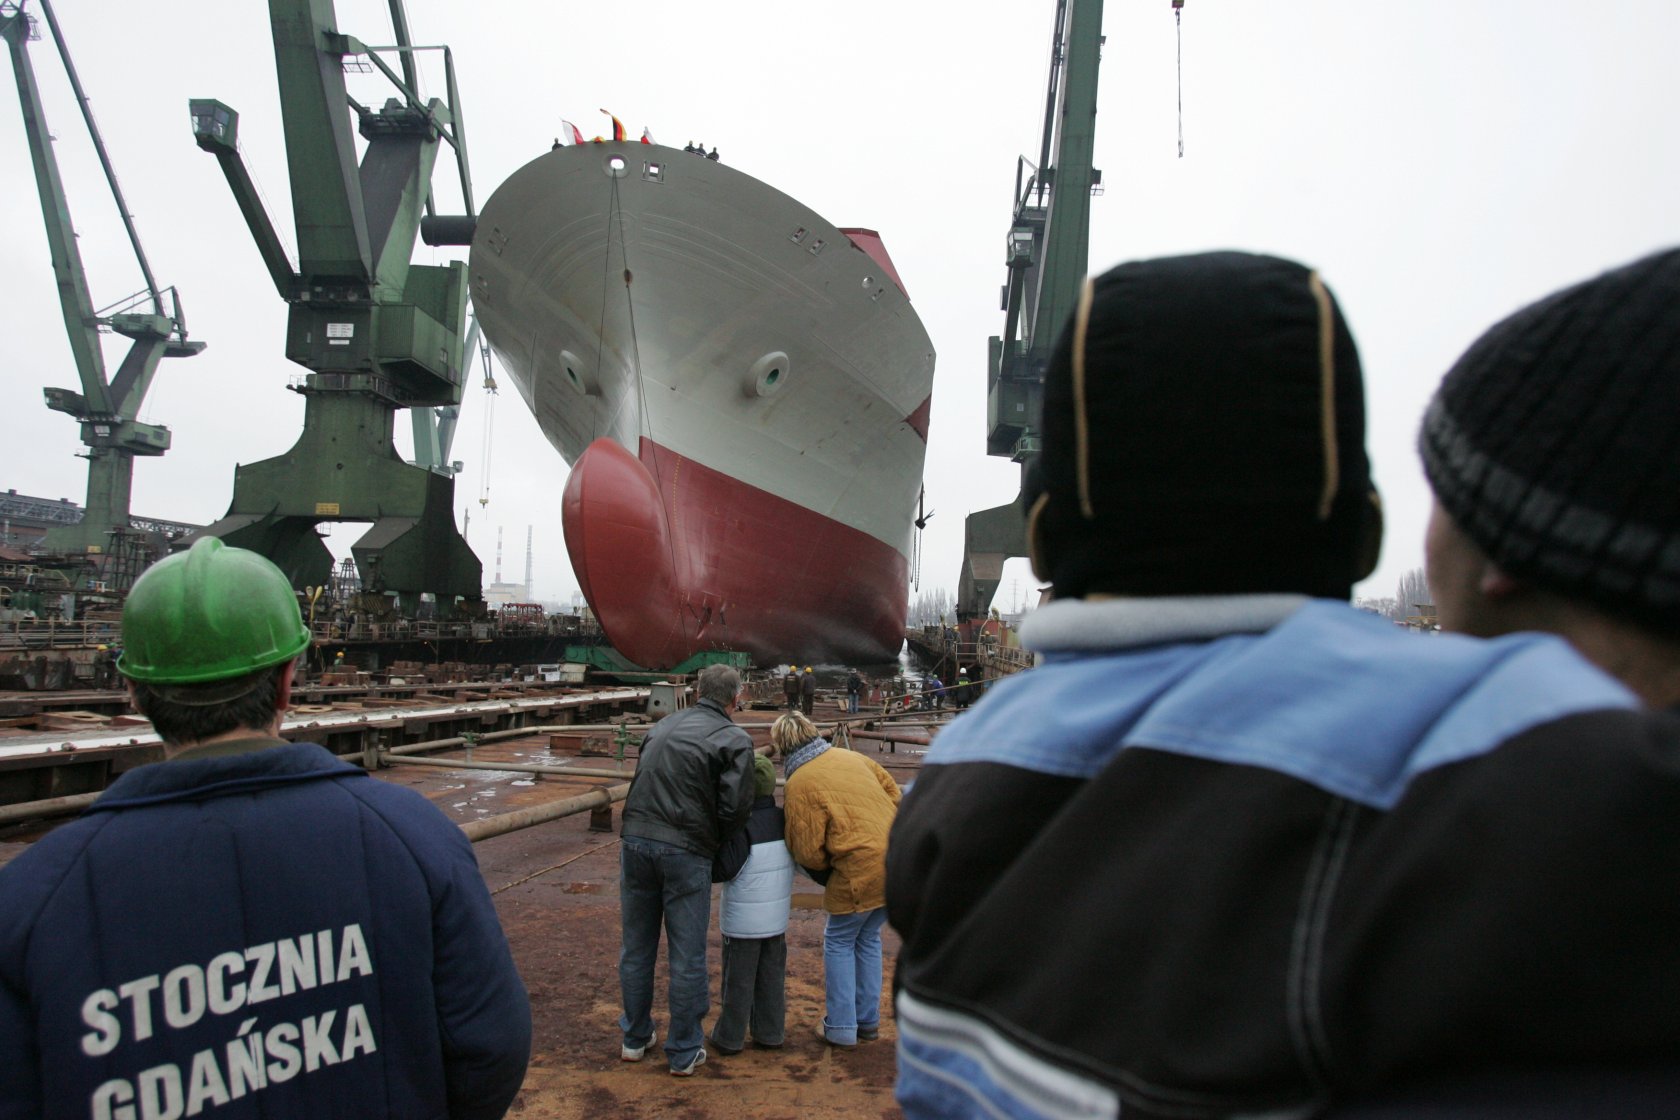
(990,537)
(344,468)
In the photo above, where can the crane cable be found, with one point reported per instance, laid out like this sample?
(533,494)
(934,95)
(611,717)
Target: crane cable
(916,541)
(487,441)
(1178,24)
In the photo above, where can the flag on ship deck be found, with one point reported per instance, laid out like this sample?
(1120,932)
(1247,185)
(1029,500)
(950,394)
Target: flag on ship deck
(618,126)
(647,137)
(569,133)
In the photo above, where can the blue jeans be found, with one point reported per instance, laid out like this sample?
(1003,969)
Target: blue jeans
(852,703)
(662,882)
(852,974)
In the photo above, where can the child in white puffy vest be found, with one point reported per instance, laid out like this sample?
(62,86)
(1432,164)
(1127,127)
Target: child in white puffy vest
(757,874)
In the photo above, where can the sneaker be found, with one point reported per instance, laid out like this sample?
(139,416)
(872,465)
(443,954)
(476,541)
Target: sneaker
(823,1035)
(694,1063)
(634,1053)
(726,1051)
(868,1034)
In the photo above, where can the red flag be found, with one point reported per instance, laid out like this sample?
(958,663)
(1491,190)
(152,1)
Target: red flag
(569,133)
(618,126)
(647,137)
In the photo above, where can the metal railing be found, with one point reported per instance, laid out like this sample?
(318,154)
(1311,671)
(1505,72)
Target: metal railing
(47,633)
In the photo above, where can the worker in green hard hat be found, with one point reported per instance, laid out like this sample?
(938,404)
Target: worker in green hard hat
(211,637)
(251,915)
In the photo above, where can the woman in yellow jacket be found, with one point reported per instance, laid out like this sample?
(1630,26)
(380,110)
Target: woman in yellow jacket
(840,807)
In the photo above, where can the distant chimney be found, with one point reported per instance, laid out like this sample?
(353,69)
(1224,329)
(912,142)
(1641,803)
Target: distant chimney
(528,598)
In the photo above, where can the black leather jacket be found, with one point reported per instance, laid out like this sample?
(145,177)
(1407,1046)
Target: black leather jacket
(694,781)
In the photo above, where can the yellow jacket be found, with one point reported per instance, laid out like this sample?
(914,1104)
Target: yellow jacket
(839,808)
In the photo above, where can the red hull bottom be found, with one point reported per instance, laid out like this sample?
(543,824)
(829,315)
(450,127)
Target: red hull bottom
(675,558)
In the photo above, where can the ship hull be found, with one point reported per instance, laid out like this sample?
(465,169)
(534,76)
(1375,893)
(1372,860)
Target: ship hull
(763,574)
(742,390)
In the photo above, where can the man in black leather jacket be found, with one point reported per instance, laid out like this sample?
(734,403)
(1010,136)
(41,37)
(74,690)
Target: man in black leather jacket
(693,789)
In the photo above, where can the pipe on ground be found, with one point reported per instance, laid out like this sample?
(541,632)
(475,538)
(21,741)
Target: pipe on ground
(542,814)
(67,806)
(890,737)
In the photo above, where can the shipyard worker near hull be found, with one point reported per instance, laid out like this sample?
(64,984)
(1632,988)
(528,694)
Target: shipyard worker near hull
(251,927)
(790,688)
(1553,450)
(840,807)
(692,791)
(1233,847)
(808,691)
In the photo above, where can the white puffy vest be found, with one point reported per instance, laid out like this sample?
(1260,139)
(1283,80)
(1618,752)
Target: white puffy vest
(755,902)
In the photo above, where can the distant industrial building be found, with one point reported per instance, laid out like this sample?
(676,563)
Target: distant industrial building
(24,521)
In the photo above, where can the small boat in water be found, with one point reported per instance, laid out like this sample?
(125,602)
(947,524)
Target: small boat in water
(742,391)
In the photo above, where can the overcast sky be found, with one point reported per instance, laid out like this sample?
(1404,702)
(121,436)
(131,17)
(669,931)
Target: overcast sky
(1441,163)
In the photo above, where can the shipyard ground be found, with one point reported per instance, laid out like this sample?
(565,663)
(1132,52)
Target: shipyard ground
(555,887)
(557,893)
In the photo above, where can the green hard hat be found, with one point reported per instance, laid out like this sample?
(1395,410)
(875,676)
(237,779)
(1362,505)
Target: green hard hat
(209,613)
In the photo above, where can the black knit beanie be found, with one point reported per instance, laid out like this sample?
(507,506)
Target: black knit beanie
(1554,442)
(1204,433)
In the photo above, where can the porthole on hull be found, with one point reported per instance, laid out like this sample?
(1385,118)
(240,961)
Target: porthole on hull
(767,375)
(578,375)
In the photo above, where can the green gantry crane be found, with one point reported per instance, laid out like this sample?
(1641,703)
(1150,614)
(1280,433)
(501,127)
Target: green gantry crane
(1047,259)
(376,332)
(105,409)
